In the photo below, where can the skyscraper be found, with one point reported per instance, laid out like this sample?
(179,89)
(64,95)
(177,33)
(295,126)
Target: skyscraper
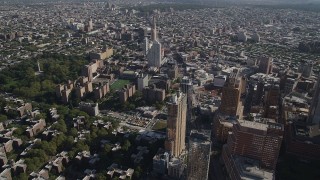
(90,25)
(176,128)
(231,92)
(314,116)
(154,30)
(259,139)
(187,88)
(145,46)
(265,65)
(154,55)
(198,155)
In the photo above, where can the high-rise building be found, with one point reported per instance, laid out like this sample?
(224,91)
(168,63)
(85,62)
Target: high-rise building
(176,122)
(265,65)
(142,81)
(160,162)
(154,30)
(231,93)
(145,46)
(259,139)
(198,155)
(90,25)
(305,69)
(154,55)
(187,88)
(272,100)
(314,116)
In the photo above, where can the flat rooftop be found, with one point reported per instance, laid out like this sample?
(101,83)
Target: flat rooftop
(249,169)
(261,124)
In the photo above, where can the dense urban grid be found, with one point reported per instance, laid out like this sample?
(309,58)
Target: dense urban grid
(140,90)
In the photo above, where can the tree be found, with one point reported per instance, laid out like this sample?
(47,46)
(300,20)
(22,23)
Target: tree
(3,118)
(137,172)
(73,132)
(107,148)
(60,126)
(126,145)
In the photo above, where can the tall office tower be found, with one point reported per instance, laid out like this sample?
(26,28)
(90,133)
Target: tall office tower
(259,140)
(265,65)
(314,116)
(272,101)
(305,69)
(145,46)
(154,30)
(142,81)
(231,92)
(198,155)
(187,88)
(154,55)
(90,24)
(176,128)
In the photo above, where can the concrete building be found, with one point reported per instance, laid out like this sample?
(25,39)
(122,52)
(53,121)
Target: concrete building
(154,30)
(91,108)
(126,92)
(152,94)
(259,139)
(187,88)
(143,80)
(240,167)
(105,53)
(35,127)
(176,168)
(222,126)
(176,124)
(305,69)
(101,91)
(231,93)
(219,81)
(315,106)
(302,137)
(154,55)
(145,46)
(265,65)
(173,71)
(160,162)
(198,155)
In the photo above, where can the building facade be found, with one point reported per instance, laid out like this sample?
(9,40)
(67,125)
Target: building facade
(198,155)
(176,122)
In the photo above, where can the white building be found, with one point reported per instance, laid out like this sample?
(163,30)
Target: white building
(143,80)
(154,55)
(145,46)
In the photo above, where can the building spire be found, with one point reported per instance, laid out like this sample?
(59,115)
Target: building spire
(154,29)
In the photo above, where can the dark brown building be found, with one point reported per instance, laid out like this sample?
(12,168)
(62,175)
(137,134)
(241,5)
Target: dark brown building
(265,65)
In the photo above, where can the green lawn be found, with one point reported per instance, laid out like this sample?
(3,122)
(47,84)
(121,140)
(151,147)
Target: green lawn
(119,84)
(161,125)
